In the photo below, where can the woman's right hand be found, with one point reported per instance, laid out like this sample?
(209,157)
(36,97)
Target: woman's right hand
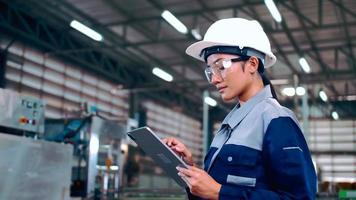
(179,148)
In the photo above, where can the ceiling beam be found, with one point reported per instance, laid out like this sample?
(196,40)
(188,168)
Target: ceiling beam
(352,59)
(343,8)
(323,65)
(338,75)
(42,35)
(275,43)
(184,13)
(152,36)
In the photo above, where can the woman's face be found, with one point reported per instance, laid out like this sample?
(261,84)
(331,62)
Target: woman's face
(232,83)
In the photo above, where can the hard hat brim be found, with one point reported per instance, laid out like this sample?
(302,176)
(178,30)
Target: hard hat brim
(195,49)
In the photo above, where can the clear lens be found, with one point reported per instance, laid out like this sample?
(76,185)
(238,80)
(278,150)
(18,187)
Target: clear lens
(225,63)
(208,74)
(212,71)
(218,67)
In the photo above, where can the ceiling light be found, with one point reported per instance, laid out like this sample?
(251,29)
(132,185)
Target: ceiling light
(114,167)
(323,96)
(162,74)
(210,101)
(196,34)
(94,144)
(339,179)
(288,91)
(173,21)
(300,91)
(304,64)
(335,115)
(86,30)
(351,97)
(272,8)
(280,81)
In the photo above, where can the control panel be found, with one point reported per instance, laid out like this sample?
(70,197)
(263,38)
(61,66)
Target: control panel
(21,112)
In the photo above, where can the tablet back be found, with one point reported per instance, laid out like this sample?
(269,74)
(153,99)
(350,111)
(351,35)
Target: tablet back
(152,145)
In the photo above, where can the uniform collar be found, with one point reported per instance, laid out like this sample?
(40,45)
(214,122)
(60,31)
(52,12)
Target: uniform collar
(238,113)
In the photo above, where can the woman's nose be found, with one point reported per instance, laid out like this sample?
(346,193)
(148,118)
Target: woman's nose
(215,79)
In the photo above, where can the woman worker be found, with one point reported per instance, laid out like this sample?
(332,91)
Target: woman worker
(259,152)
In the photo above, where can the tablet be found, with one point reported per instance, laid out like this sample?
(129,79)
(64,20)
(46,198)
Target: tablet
(164,156)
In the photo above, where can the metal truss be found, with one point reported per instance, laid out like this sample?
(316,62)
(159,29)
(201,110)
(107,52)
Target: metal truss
(17,24)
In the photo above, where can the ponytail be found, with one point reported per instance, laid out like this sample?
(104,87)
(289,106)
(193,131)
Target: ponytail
(265,80)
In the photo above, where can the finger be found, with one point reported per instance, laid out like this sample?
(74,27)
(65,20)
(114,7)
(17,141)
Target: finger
(176,142)
(185,171)
(195,169)
(186,179)
(168,141)
(178,149)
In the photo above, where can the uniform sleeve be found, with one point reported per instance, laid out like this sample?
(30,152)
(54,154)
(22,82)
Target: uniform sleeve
(288,166)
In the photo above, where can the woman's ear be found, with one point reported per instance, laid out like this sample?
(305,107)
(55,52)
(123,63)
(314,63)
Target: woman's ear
(253,64)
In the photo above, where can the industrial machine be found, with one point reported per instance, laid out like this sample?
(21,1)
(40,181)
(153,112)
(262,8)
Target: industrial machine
(21,113)
(35,167)
(57,158)
(97,153)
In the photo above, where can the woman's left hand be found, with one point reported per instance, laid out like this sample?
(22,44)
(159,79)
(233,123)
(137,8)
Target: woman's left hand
(200,183)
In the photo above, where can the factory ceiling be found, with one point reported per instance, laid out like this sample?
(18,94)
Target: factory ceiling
(137,38)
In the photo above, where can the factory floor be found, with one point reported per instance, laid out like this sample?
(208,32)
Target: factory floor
(153,194)
(145,194)
(153,198)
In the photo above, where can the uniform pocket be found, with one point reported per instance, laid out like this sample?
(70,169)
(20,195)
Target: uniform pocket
(240,180)
(239,158)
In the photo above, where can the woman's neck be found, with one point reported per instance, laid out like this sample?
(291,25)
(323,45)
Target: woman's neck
(251,91)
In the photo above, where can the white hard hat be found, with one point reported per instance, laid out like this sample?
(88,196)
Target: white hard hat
(235,32)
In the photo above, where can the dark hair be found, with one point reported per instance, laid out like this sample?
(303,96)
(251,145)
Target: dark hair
(265,80)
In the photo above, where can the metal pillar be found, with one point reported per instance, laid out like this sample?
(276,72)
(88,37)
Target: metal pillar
(205,124)
(305,115)
(295,98)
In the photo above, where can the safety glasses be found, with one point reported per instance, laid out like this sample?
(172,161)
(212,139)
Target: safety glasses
(218,67)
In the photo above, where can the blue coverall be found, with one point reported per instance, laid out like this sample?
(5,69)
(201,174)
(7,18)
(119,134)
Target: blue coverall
(260,153)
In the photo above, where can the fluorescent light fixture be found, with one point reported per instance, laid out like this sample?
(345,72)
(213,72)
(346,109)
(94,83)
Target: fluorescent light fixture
(346,98)
(280,81)
(304,64)
(114,167)
(288,91)
(94,144)
(86,30)
(196,34)
(173,21)
(323,96)
(272,8)
(335,115)
(300,91)
(162,74)
(339,179)
(102,167)
(351,97)
(210,101)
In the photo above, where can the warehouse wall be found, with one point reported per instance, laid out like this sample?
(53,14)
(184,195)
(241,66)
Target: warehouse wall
(170,123)
(333,144)
(62,85)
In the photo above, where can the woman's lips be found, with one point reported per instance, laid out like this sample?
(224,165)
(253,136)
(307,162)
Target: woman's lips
(221,89)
